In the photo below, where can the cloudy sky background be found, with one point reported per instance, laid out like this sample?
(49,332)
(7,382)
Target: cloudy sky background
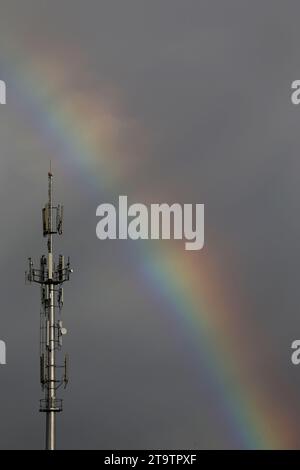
(195,102)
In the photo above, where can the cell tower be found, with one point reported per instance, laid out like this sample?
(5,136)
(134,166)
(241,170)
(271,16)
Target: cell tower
(51,277)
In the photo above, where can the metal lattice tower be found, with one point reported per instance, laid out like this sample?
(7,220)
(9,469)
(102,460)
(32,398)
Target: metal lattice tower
(51,277)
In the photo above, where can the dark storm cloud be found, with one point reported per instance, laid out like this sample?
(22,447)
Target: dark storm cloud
(209,82)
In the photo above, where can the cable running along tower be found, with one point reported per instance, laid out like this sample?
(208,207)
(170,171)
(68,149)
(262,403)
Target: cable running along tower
(51,277)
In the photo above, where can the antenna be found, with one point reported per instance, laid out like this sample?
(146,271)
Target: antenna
(51,279)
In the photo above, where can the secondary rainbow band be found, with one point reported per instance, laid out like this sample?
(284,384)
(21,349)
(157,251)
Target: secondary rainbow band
(77,132)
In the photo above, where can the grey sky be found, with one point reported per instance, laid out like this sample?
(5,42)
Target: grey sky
(208,82)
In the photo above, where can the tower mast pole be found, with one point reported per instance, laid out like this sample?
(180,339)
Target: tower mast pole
(51,276)
(51,389)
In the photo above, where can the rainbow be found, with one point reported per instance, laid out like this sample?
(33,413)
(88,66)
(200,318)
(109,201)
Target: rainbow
(82,129)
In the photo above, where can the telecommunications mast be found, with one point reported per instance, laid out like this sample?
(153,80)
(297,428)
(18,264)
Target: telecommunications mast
(51,277)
